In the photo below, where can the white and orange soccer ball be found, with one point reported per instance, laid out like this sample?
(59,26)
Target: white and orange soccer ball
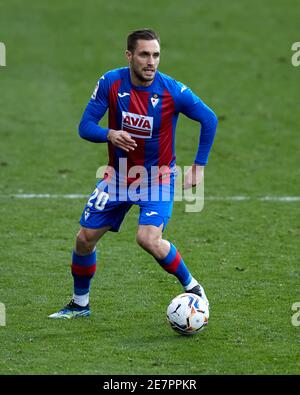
(188,314)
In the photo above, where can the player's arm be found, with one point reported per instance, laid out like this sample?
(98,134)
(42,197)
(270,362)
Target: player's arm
(95,110)
(193,107)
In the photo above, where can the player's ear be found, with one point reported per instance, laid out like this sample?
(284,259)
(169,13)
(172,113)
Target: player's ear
(128,55)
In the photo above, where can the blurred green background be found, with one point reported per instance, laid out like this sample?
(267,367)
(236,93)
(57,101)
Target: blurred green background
(236,55)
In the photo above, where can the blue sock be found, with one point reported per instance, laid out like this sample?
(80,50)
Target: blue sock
(174,264)
(83,270)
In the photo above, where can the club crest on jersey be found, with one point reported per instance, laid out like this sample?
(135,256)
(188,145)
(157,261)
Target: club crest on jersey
(136,125)
(154,100)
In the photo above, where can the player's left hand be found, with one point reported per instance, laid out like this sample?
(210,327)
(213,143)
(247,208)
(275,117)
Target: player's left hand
(193,176)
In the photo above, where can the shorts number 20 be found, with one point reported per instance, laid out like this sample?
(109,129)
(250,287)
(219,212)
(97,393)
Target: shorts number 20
(100,202)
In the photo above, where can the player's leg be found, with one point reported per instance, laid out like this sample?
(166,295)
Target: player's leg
(101,214)
(84,260)
(154,216)
(83,269)
(150,238)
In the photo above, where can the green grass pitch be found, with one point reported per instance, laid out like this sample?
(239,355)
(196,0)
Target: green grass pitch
(236,55)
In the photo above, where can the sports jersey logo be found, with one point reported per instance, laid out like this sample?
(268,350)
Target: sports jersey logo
(95,91)
(183,88)
(154,100)
(137,125)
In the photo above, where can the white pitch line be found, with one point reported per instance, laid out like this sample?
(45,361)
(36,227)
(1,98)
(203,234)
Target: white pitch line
(287,199)
(44,196)
(257,198)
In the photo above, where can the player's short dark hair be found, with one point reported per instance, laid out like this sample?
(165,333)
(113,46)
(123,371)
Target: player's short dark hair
(143,34)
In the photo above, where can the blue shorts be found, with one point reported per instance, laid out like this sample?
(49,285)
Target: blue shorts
(107,207)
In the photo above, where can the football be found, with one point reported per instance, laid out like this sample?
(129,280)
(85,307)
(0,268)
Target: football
(188,314)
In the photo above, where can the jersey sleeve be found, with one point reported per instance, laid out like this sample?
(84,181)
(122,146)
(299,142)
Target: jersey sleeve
(194,108)
(94,112)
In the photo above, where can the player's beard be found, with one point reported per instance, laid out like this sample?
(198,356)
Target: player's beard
(139,75)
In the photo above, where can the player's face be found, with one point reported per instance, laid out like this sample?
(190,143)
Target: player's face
(144,61)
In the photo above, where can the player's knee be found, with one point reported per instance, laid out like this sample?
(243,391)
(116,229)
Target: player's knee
(84,243)
(148,242)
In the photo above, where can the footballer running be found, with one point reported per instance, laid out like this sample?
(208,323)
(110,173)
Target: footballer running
(143,107)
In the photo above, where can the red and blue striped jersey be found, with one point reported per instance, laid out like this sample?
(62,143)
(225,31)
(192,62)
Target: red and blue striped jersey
(149,114)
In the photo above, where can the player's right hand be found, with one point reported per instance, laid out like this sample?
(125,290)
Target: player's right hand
(121,139)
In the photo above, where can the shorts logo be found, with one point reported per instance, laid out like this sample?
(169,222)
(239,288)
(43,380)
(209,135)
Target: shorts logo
(86,215)
(137,125)
(151,213)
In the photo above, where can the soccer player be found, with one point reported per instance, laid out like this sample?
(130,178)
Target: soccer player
(143,106)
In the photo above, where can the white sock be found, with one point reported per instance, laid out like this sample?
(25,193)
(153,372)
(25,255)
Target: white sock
(191,285)
(81,300)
